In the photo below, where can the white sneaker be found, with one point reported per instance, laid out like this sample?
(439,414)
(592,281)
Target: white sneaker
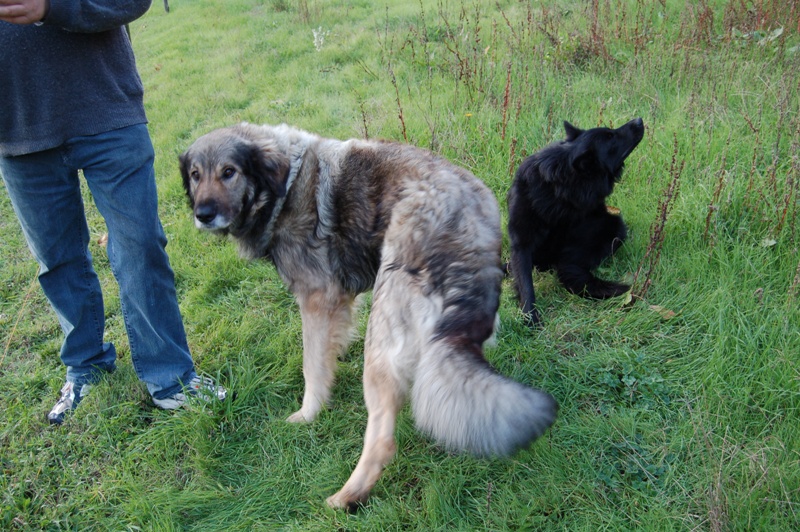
(199,388)
(67,402)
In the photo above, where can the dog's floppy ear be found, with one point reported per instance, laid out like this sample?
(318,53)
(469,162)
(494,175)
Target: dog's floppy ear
(269,168)
(572,131)
(183,163)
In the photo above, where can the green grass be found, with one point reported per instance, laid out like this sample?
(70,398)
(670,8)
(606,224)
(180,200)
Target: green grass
(678,411)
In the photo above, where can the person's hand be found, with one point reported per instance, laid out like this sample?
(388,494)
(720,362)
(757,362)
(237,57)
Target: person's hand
(23,11)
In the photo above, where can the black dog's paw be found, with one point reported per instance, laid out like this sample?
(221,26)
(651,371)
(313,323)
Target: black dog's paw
(600,289)
(533,319)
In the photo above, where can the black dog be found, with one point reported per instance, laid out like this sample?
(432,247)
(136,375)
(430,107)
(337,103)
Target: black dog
(558,219)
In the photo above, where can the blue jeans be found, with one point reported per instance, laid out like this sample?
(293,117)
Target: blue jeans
(45,192)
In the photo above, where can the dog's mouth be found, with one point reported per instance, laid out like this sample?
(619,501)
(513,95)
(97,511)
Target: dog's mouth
(621,168)
(208,218)
(215,226)
(638,134)
(630,150)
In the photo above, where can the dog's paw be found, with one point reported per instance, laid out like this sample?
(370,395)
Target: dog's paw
(531,316)
(600,289)
(298,417)
(533,319)
(340,501)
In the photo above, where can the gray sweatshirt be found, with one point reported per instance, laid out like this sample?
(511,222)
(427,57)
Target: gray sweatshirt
(73,75)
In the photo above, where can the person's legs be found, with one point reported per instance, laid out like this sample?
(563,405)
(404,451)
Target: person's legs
(45,194)
(118,167)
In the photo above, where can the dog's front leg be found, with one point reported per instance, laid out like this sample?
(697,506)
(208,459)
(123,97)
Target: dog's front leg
(521,269)
(327,318)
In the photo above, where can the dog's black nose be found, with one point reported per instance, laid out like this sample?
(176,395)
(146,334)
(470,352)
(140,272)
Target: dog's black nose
(206,212)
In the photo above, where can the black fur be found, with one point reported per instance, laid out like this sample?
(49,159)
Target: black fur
(359,218)
(558,218)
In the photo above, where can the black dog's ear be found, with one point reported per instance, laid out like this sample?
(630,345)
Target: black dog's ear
(268,168)
(584,159)
(572,131)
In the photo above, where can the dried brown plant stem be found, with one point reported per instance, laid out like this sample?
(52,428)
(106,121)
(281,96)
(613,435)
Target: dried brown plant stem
(511,157)
(644,274)
(399,106)
(506,96)
(26,298)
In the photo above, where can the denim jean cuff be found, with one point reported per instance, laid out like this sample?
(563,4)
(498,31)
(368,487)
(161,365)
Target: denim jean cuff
(162,393)
(92,376)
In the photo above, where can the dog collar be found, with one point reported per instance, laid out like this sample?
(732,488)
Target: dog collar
(297,153)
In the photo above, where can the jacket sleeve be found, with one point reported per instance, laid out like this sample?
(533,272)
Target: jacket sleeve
(93,16)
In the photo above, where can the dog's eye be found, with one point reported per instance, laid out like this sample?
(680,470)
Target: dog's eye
(195,175)
(228,173)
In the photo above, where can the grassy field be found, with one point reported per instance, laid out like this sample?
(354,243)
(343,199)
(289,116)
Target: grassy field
(680,405)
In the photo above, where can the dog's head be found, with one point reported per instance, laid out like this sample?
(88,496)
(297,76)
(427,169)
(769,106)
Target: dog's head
(603,150)
(232,174)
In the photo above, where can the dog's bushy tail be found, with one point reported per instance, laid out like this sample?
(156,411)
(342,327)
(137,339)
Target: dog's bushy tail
(464,404)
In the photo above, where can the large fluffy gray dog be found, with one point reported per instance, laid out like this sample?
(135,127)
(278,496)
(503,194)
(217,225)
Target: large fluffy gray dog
(339,218)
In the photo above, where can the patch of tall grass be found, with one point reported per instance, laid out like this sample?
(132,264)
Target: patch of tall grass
(679,406)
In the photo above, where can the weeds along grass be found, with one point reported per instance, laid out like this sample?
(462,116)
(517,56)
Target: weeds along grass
(679,406)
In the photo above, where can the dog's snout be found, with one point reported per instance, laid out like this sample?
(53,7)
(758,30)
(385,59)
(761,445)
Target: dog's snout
(206,212)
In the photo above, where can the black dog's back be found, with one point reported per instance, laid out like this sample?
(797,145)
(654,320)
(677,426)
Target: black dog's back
(558,218)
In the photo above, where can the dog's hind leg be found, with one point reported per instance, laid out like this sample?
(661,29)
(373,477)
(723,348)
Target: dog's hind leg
(383,398)
(580,281)
(574,272)
(327,322)
(597,238)
(390,347)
